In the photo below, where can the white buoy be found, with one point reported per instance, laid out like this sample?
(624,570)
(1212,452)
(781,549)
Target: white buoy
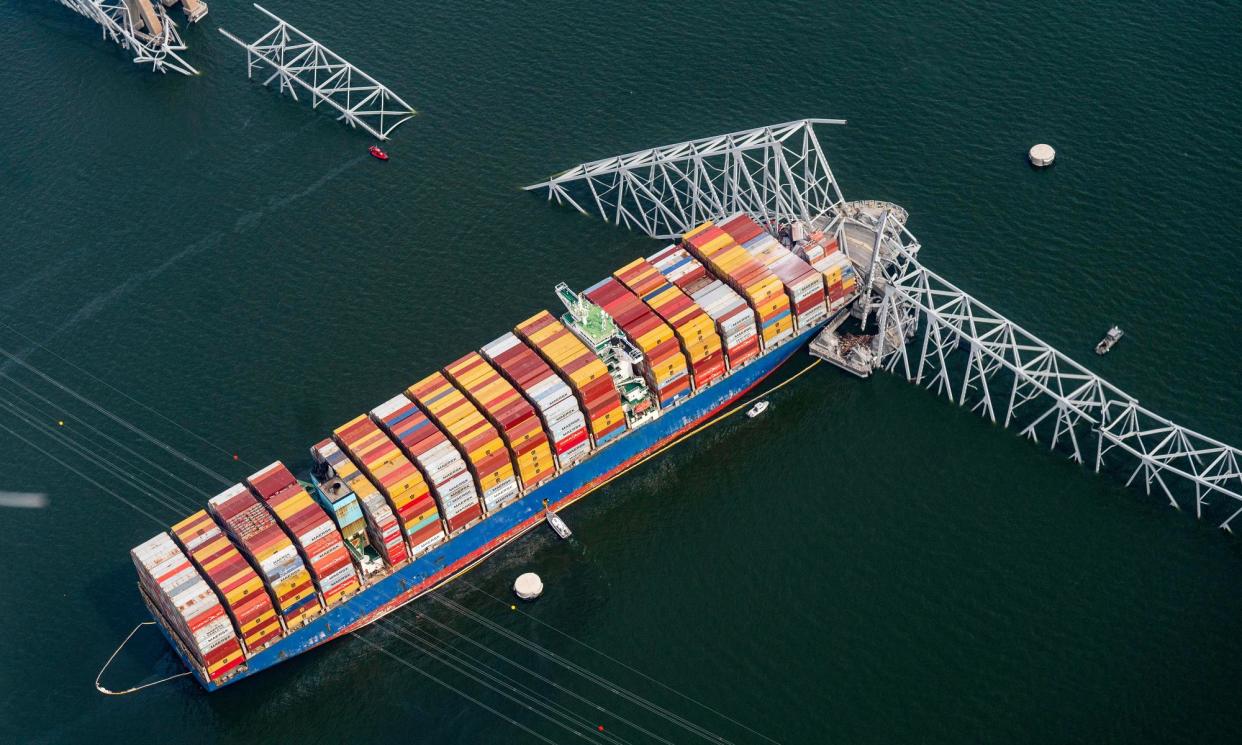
(528,586)
(1042,155)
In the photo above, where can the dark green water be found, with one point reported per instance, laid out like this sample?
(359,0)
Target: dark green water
(866,563)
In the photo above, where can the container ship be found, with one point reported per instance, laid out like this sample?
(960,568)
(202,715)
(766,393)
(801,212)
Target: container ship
(401,499)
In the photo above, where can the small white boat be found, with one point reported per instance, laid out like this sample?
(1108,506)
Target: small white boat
(557,524)
(1112,337)
(757,409)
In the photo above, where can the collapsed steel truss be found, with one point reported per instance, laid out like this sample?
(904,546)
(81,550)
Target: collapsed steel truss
(158,49)
(770,172)
(931,332)
(301,62)
(937,335)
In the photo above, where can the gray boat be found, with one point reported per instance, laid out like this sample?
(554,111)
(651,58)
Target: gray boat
(1111,338)
(557,524)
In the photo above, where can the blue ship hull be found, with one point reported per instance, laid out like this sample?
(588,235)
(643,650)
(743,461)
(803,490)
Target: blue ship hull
(446,561)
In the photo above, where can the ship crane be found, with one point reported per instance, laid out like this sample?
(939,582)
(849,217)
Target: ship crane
(931,332)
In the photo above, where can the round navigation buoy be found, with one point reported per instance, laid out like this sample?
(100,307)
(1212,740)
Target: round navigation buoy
(528,586)
(1042,155)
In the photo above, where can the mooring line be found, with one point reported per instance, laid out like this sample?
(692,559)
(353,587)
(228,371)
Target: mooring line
(109,692)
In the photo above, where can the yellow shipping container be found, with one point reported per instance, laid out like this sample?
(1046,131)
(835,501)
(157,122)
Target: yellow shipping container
(285,585)
(700,229)
(313,612)
(292,506)
(270,549)
(257,622)
(606,420)
(224,662)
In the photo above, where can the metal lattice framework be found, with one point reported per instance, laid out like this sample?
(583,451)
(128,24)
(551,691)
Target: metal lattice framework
(937,335)
(931,332)
(300,62)
(771,172)
(158,47)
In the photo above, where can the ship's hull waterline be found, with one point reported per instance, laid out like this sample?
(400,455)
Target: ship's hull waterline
(448,560)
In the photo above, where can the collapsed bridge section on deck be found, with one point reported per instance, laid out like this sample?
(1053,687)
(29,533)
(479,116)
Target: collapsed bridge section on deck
(929,331)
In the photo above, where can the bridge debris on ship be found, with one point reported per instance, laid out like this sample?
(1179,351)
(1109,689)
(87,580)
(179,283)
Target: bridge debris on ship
(910,321)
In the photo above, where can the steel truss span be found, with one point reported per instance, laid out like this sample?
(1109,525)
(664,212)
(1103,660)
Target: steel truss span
(157,47)
(770,172)
(937,335)
(301,63)
(931,332)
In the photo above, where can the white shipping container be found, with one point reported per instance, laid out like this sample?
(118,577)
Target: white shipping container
(500,494)
(422,548)
(194,600)
(500,345)
(214,634)
(567,427)
(164,562)
(227,494)
(390,406)
(813,316)
(458,501)
(569,418)
(338,578)
(575,454)
(460,486)
(155,551)
(565,407)
(317,532)
(281,558)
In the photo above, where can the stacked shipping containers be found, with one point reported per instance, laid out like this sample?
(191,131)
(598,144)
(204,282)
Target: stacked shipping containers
(233,579)
(666,370)
(313,532)
(383,529)
(803,284)
(505,408)
(270,551)
(824,254)
(441,464)
(398,480)
(189,604)
(734,264)
(477,439)
(563,421)
(582,369)
(696,331)
(734,319)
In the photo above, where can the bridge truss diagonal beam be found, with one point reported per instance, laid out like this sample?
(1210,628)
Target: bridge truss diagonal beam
(930,331)
(299,63)
(937,335)
(156,47)
(776,172)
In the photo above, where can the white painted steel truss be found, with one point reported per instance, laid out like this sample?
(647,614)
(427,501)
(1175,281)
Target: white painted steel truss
(931,332)
(157,49)
(300,62)
(771,172)
(937,335)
